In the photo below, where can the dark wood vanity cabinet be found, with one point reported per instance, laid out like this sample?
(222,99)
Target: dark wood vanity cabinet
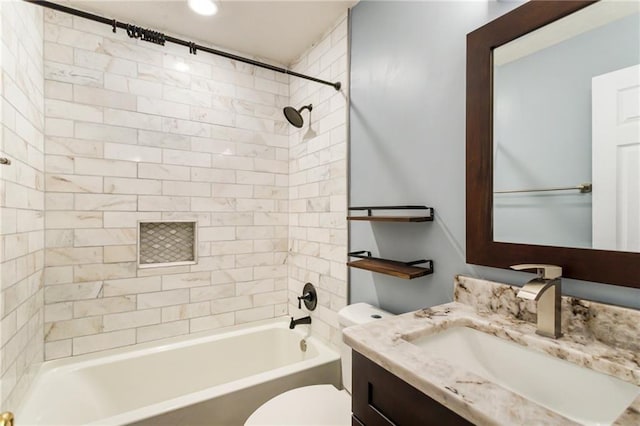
(382,399)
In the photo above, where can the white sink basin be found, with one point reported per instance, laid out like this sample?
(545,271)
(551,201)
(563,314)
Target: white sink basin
(577,393)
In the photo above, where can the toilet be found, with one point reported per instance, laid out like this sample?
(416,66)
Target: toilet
(319,404)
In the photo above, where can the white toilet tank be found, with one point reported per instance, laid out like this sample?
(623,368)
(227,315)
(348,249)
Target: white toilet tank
(358,313)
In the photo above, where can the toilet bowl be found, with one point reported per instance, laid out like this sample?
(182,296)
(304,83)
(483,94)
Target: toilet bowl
(319,404)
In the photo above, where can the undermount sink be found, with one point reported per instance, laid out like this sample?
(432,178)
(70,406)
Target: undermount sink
(580,394)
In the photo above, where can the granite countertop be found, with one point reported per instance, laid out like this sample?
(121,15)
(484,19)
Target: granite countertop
(600,337)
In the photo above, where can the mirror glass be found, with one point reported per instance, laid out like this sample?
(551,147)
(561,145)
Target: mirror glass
(566,132)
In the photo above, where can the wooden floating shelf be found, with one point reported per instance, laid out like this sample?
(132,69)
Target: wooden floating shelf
(405,270)
(413,218)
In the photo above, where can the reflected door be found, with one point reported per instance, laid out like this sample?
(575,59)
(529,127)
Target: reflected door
(616,160)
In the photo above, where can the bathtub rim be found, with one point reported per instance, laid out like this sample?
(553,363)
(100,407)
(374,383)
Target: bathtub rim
(325,355)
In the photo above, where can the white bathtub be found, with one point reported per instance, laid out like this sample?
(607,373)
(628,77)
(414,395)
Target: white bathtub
(213,379)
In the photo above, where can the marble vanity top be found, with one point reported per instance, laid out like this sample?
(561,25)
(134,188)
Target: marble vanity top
(601,337)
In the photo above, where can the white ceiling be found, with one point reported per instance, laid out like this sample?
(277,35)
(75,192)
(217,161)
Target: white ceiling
(275,30)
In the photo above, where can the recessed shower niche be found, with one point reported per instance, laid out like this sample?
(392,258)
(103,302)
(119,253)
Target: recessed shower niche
(166,243)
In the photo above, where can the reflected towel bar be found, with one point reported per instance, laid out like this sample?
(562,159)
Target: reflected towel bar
(583,188)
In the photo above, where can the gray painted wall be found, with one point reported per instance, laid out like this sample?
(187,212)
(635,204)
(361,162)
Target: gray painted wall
(552,86)
(407,123)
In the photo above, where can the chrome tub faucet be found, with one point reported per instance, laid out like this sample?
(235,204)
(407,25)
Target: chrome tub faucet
(546,290)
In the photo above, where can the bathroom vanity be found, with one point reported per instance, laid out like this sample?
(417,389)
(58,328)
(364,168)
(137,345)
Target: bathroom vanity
(381,398)
(478,360)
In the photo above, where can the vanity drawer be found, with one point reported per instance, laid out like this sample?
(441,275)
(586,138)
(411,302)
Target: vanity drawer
(382,399)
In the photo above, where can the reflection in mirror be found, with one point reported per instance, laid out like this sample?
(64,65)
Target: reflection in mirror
(566,114)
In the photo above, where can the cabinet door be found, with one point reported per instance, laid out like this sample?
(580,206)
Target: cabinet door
(382,399)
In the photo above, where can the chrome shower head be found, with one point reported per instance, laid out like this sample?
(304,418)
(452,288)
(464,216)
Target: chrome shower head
(294,116)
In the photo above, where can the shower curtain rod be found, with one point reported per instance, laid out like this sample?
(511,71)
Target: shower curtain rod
(160,38)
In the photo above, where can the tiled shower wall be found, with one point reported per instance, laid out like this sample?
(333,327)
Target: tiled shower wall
(136,132)
(21,197)
(318,184)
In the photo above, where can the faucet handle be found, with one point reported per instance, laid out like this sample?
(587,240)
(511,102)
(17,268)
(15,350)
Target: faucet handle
(546,272)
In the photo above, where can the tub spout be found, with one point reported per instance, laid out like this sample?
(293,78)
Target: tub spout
(293,323)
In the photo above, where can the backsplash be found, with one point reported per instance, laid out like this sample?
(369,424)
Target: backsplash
(582,319)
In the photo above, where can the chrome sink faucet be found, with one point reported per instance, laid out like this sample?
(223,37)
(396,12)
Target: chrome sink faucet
(546,290)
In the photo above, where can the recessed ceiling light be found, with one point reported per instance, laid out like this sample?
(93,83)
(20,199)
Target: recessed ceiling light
(203,7)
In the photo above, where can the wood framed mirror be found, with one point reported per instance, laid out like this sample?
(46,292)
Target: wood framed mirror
(605,266)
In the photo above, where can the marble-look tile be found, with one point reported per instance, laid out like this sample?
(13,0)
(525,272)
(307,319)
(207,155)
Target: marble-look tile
(102,341)
(162,331)
(120,321)
(187,311)
(212,322)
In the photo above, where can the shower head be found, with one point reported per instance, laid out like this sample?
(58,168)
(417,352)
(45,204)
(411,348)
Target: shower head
(293,115)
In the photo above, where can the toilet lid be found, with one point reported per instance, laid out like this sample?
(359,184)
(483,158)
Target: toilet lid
(318,405)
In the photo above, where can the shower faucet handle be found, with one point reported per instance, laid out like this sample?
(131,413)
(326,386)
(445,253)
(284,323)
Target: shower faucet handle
(310,297)
(305,297)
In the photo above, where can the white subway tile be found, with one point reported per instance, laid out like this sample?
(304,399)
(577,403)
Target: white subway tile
(102,341)
(218,233)
(163,298)
(184,127)
(199,294)
(163,140)
(231,190)
(193,279)
(108,271)
(162,331)
(72,74)
(135,153)
(105,63)
(70,37)
(186,158)
(162,203)
(71,292)
(156,106)
(116,254)
(131,319)
(254,314)
(132,186)
(105,133)
(59,127)
(72,111)
(132,286)
(66,219)
(163,172)
(60,330)
(58,349)
(104,237)
(181,312)
(73,256)
(128,219)
(212,175)
(109,305)
(73,183)
(103,98)
(212,322)
(186,188)
(105,202)
(70,148)
(131,119)
(98,167)
(56,275)
(58,238)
